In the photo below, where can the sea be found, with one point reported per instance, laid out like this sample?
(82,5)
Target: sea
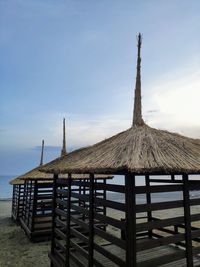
(5,187)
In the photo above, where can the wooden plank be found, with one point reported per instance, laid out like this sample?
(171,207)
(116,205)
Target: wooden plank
(159,261)
(158,189)
(109,255)
(152,243)
(109,220)
(91,223)
(110,187)
(131,250)
(159,224)
(109,204)
(159,206)
(54,213)
(148,207)
(67,258)
(187,220)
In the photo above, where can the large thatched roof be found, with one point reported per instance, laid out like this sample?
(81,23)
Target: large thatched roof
(140,149)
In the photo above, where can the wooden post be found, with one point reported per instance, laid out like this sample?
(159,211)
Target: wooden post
(104,197)
(187,219)
(29,204)
(34,205)
(91,222)
(23,202)
(55,177)
(130,198)
(68,221)
(13,200)
(148,199)
(18,201)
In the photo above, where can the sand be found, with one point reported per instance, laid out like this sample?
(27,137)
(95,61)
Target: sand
(15,248)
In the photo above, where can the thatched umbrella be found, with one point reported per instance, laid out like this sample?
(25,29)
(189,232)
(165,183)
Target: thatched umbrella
(139,150)
(32,197)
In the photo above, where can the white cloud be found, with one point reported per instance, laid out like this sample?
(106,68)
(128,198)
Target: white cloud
(176,97)
(83,131)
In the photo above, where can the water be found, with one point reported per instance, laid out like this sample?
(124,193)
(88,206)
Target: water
(5,187)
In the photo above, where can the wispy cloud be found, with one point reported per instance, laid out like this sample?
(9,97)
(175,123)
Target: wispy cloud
(175,97)
(83,131)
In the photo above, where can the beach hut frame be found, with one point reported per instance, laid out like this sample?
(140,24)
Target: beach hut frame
(135,237)
(36,211)
(17,200)
(145,240)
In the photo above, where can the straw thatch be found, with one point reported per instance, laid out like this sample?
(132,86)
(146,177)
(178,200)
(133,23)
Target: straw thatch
(140,149)
(36,174)
(16,181)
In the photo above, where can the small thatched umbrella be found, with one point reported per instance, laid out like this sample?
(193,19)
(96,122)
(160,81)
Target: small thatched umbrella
(140,150)
(34,200)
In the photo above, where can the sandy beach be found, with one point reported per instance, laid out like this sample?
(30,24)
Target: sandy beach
(15,248)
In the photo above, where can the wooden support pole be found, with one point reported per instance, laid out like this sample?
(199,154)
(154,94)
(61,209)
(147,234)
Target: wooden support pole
(23,202)
(91,222)
(29,204)
(55,177)
(18,200)
(68,220)
(187,219)
(148,199)
(13,201)
(130,198)
(34,205)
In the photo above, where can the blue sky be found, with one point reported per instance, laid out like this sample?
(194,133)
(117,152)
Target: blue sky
(77,59)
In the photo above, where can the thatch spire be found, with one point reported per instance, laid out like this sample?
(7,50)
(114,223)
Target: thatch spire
(42,154)
(137,112)
(64,151)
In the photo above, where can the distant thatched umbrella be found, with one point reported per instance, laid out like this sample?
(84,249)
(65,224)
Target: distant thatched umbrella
(37,174)
(140,149)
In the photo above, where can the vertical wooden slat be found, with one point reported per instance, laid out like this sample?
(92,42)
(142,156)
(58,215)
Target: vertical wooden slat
(104,197)
(187,219)
(35,188)
(68,221)
(18,200)
(148,199)
(29,203)
(131,253)
(13,200)
(84,203)
(53,214)
(91,222)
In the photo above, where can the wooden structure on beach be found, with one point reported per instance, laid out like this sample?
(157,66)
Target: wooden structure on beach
(35,205)
(32,195)
(17,199)
(154,232)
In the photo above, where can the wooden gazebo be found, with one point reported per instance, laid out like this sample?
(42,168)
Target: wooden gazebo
(32,201)
(161,229)
(17,198)
(35,204)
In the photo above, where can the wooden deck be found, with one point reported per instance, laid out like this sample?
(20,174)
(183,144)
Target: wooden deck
(147,258)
